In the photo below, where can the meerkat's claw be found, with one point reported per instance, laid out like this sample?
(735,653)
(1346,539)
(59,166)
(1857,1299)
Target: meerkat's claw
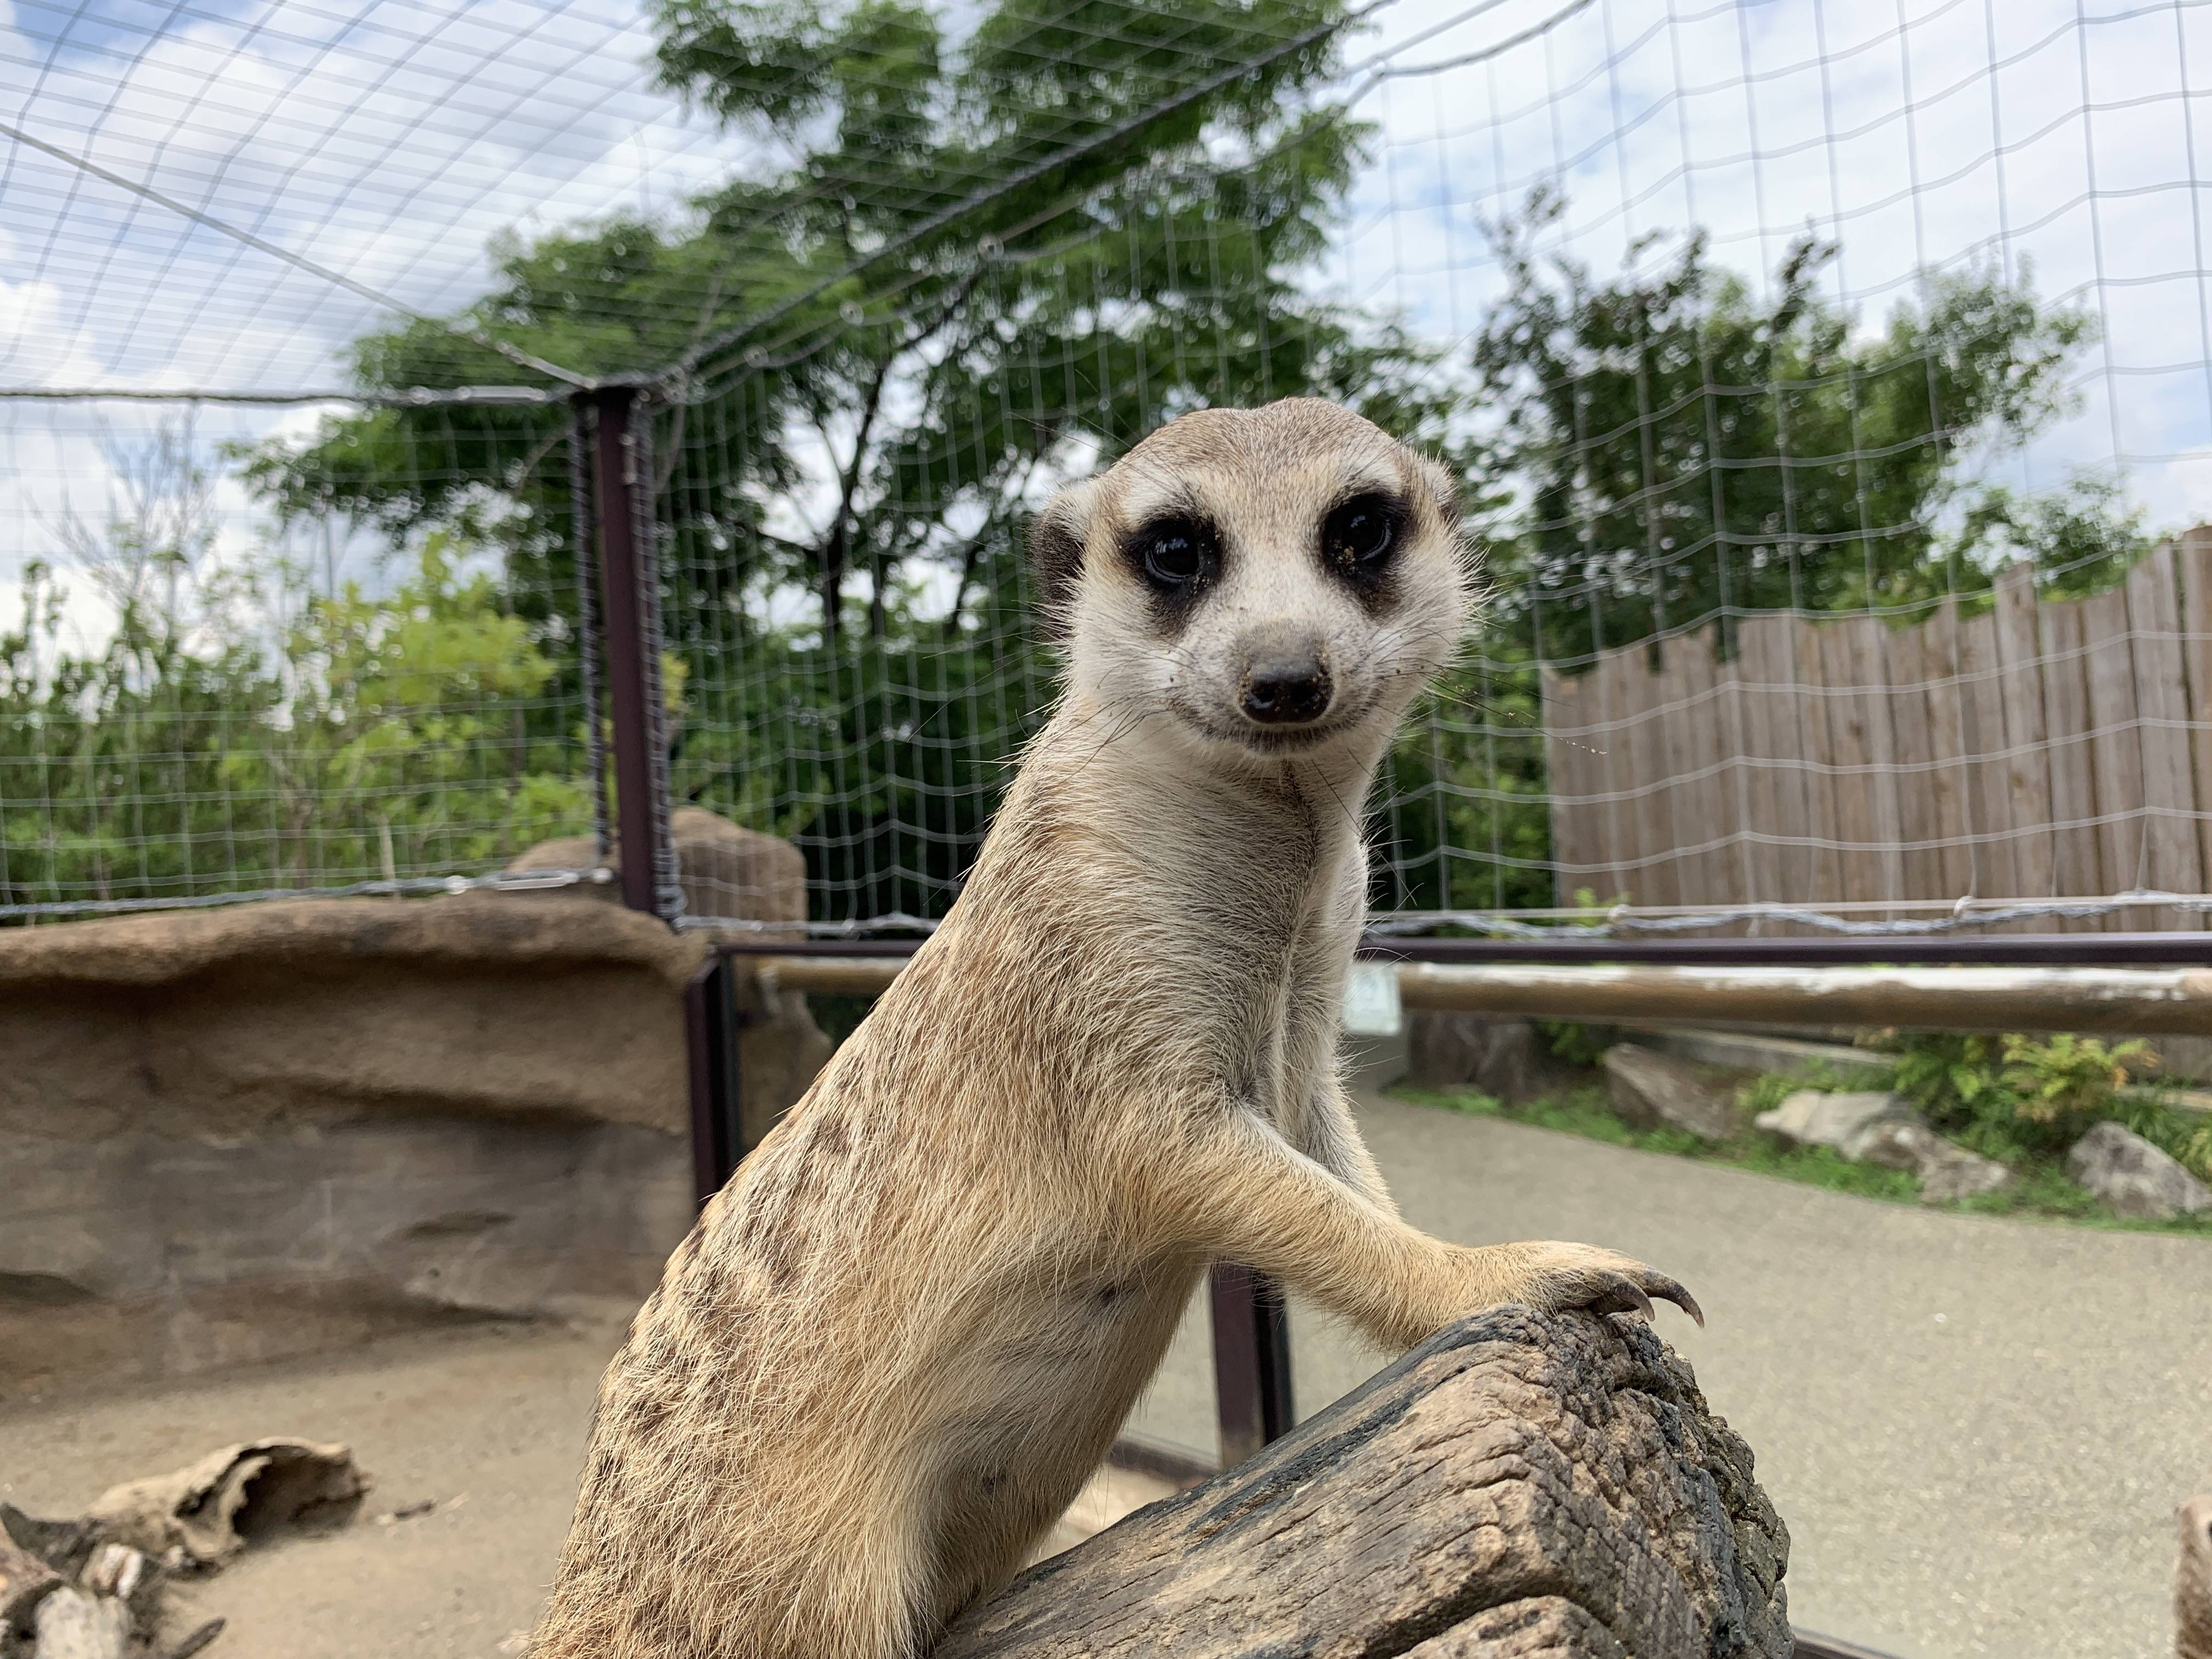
(1553,1275)
(1633,1293)
(1669,1290)
(1621,1295)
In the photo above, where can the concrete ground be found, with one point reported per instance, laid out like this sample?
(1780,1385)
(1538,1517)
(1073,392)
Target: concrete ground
(488,1423)
(1976,1429)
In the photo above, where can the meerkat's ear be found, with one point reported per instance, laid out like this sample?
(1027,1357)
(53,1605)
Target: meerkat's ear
(1057,537)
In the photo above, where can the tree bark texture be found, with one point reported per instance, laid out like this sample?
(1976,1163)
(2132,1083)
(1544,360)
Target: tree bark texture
(1520,1486)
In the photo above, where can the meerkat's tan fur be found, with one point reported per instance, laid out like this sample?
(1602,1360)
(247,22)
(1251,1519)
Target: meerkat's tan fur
(2192,1582)
(901,1338)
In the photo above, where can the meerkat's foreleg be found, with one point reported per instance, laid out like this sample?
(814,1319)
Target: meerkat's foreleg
(1329,1134)
(1245,1194)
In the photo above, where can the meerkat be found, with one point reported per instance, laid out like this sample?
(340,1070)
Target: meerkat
(901,1338)
(2192,1582)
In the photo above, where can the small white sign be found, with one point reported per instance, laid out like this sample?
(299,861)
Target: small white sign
(1371,1007)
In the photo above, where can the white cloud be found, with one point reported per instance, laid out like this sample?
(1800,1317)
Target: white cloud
(389,142)
(85,620)
(1933,134)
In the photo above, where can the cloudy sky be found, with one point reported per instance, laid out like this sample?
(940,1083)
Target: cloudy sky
(389,140)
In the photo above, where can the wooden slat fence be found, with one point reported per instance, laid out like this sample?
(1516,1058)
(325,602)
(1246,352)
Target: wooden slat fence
(2040,749)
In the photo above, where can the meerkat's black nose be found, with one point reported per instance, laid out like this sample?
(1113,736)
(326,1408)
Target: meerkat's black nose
(1288,689)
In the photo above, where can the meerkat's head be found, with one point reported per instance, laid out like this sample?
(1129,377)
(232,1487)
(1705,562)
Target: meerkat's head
(1279,581)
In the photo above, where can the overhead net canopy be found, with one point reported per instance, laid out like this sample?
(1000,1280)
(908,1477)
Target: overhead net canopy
(1830,387)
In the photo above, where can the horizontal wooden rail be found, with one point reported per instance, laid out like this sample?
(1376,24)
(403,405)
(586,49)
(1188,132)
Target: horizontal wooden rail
(2169,1001)
(828,976)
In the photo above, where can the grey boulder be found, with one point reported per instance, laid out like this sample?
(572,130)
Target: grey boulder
(1446,1050)
(1812,1117)
(1948,1172)
(1652,1090)
(2132,1175)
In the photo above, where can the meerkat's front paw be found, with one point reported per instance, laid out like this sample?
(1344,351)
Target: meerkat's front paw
(1554,1277)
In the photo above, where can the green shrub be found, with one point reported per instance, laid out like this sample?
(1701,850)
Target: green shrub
(2068,1082)
(1770,1089)
(1576,1043)
(2196,1148)
(2025,1100)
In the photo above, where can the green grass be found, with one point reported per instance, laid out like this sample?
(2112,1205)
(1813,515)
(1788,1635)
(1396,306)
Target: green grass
(2040,1190)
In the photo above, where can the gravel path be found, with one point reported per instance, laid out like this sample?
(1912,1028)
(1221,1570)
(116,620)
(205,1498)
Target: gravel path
(1977,1430)
(489,1424)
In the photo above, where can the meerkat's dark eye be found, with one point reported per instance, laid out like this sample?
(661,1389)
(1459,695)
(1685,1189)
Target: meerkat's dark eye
(1177,553)
(1360,534)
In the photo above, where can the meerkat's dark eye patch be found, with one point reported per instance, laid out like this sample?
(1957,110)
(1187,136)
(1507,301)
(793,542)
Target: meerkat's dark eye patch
(1359,536)
(1177,558)
(1176,552)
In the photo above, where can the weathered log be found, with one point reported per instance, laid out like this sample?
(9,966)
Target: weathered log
(1521,1486)
(203,1515)
(131,1576)
(2177,1002)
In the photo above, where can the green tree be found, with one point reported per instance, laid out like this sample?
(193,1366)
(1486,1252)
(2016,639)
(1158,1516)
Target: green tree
(982,263)
(1676,444)
(405,739)
(984,260)
(271,736)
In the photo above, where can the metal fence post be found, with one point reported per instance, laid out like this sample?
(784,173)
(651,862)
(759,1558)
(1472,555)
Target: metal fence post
(632,659)
(1251,1361)
(710,1031)
(628,574)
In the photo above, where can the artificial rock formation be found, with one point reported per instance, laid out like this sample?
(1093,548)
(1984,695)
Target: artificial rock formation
(728,873)
(2135,1177)
(748,886)
(1652,1090)
(282,1128)
(1521,1486)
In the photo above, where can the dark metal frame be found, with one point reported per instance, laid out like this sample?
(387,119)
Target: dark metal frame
(710,1023)
(710,1033)
(2175,949)
(629,658)
(1252,1402)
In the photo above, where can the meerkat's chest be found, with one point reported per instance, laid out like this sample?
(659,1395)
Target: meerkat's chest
(1267,977)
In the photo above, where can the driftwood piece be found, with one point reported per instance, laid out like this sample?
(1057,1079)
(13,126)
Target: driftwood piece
(128,1575)
(1521,1486)
(203,1515)
(63,1546)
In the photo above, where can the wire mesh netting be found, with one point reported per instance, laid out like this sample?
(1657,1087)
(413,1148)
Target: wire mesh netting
(1831,387)
(219,687)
